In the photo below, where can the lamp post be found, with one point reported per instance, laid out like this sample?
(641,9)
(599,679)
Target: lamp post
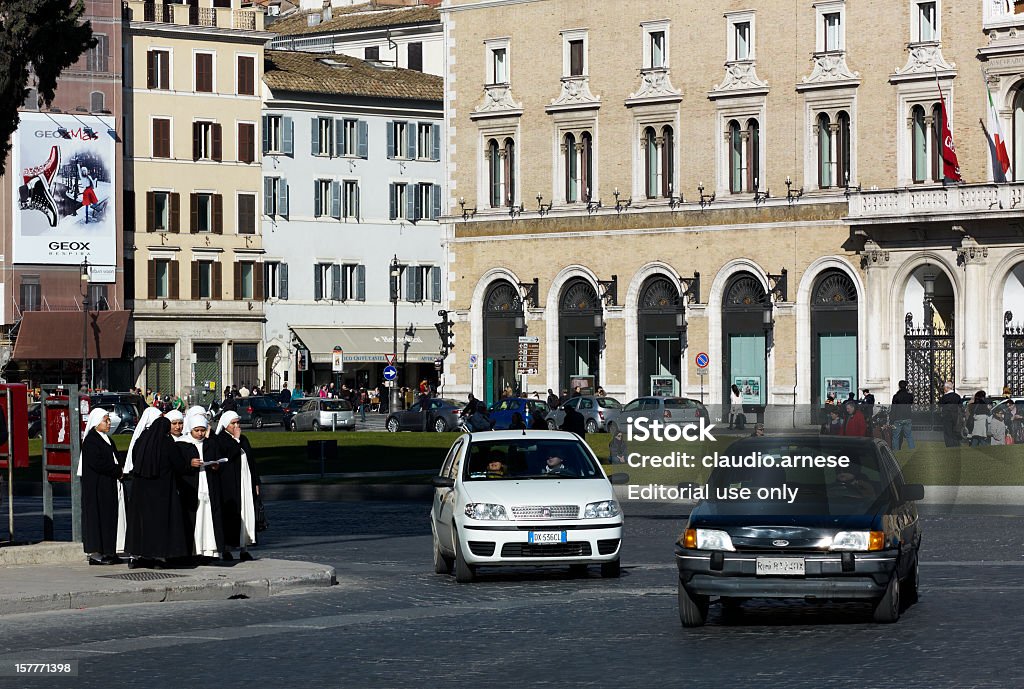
(768,323)
(599,329)
(396,274)
(85,323)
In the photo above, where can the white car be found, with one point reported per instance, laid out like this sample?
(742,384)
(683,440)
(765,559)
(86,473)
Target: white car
(524,498)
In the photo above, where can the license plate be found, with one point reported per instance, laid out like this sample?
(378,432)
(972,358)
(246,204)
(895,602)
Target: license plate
(780,566)
(546,537)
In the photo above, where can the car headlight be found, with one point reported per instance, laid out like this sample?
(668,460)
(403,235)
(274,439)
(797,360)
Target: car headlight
(858,540)
(601,510)
(707,539)
(485,510)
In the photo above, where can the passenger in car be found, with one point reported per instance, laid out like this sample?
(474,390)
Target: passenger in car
(555,465)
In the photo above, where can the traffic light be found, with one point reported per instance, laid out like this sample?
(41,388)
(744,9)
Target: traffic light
(445,332)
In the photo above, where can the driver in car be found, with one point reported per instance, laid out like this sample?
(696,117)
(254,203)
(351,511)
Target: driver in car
(855,483)
(555,465)
(496,469)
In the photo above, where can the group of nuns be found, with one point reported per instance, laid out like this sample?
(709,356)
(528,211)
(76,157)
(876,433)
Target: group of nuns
(192,495)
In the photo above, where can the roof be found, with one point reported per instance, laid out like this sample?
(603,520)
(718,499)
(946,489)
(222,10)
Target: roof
(347,76)
(355,18)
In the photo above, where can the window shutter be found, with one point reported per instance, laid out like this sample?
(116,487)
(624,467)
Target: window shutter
(410,202)
(195,280)
(268,196)
(435,196)
(217,292)
(217,136)
(392,197)
(435,133)
(361,133)
(318,282)
(418,210)
(345,281)
(173,279)
(287,136)
(355,212)
(282,197)
(435,284)
(410,283)
(196,147)
(266,134)
(282,276)
(315,136)
(150,211)
(316,198)
(193,200)
(150,71)
(335,281)
(391,139)
(266,276)
(151,280)
(237,282)
(339,138)
(246,143)
(165,71)
(410,140)
(218,214)
(335,200)
(175,212)
(361,283)
(419,274)
(257,282)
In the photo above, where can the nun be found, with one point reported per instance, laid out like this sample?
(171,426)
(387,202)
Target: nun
(147,417)
(240,484)
(199,489)
(155,520)
(177,420)
(102,499)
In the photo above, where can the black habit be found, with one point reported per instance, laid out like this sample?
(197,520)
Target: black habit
(100,472)
(155,519)
(231,483)
(188,490)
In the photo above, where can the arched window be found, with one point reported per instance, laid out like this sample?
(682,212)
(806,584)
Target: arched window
(494,166)
(1017,152)
(667,161)
(580,342)
(510,171)
(571,169)
(842,147)
(650,163)
(503,321)
(661,336)
(936,143)
(97,101)
(825,152)
(736,169)
(753,155)
(586,164)
(919,151)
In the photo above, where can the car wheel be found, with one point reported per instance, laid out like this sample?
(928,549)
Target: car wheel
(613,428)
(257,422)
(552,426)
(887,609)
(442,563)
(293,427)
(440,426)
(392,425)
(591,426)
(611,570)
(910,584)
(316,426)
(577,570)
(693,610)
(464,572)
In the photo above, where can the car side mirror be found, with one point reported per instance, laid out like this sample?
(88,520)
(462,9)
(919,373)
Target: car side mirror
(619,479)
(442,482)
(912,491)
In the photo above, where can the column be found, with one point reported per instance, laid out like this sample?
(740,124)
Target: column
(972,339)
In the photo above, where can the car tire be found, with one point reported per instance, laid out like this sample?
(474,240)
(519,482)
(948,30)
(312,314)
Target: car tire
(910,584)
(887,609)
(315,427)
(257,421)
(552,426)
(464,572)
(613,428)
(442,563)
(392,425)
(611,570)
(440,426)
(693,610)
(293,427)
(591,426)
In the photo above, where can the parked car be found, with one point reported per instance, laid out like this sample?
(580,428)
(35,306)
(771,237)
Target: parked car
(598,412)
(848,533)
(259,410)
(316,413)
(290,408)
(531,512)
(440,415)
(501,411)
(673,410)
(126,405)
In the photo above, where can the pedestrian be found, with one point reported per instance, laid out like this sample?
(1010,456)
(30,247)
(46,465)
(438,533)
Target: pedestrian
(952,417)
(200,490)
(517,423)
(855,423)
(103,512)
(229,403)
(155,534)
(577,391)
(600,392)
(997,428)
(758,431)
(538,422)
(735,405)
(150,415)
(574,422)
(834,424)
(240,488)
(364,402)
(285,396)
(978,419)
(900,417)
(177,420)
(552,399)
(867,408)
(617,449)
(243,391)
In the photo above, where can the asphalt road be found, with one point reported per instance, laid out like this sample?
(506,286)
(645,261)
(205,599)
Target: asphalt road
(391,622)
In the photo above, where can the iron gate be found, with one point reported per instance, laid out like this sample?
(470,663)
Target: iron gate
(1013,354)
(930,361)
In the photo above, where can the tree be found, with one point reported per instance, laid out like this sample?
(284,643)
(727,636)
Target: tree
(44,35)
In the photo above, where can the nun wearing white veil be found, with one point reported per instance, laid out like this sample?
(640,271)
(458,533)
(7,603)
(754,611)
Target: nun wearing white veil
(200,489)
(239,487)
(145,421)
(102,499)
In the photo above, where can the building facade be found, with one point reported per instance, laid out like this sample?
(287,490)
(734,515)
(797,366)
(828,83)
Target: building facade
(192,94)
(352,173)
(775,200)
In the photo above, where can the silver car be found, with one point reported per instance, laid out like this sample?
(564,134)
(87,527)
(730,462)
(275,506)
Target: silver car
(597,411)
(677,411)
(324,414)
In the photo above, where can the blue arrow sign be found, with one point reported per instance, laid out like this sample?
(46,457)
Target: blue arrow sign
(703,360)
(390,373)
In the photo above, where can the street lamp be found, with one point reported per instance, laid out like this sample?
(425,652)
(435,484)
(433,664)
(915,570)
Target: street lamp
(85,323)
(396,274)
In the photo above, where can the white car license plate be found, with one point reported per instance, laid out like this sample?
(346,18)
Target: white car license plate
(780,566)
(547,537)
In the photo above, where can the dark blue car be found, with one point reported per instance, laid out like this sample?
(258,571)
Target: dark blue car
(501,411)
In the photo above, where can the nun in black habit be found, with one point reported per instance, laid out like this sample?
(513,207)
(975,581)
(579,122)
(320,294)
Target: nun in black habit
(100,472)
(156,531)
(199,489)
(239,484)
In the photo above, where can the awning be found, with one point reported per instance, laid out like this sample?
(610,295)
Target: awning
(58,335)
(367,344)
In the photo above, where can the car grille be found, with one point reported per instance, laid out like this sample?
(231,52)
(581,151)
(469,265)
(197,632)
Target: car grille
(481,548)
(546,512)
(607,546)
(552,550)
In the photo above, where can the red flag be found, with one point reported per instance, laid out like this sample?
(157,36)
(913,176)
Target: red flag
(950,165)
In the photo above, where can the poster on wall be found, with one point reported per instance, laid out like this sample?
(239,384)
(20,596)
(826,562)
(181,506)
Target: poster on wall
(663,386)
(840,388)
(750,388)
(64,190)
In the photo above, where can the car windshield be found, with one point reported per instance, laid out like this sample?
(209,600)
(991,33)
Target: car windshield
(608,403)
(335,405)
(798,479)
(529,458)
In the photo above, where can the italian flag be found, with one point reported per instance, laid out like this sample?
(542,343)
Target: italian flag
(999,142)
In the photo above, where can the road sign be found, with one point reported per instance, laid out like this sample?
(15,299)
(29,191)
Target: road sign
(474,360)
(390,358)
(702,360)
(438,364)
(338,360)
(528,361)
(390,373)
(702,372)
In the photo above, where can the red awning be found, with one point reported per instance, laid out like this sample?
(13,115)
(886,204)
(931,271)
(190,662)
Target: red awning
(58,335)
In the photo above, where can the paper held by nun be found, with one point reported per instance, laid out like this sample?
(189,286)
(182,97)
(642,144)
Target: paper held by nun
(222,460)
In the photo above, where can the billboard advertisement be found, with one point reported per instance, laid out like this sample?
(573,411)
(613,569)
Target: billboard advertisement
(64,190)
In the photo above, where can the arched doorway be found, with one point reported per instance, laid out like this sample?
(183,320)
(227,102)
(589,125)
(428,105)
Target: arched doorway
(659,322)
(503,323)
(273,379)
(579,341)
(833,338)
(929,352)
(1013,331)
(744,354)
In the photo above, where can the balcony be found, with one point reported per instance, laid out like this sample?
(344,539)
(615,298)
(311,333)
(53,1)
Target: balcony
(204,15)
(937,203)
